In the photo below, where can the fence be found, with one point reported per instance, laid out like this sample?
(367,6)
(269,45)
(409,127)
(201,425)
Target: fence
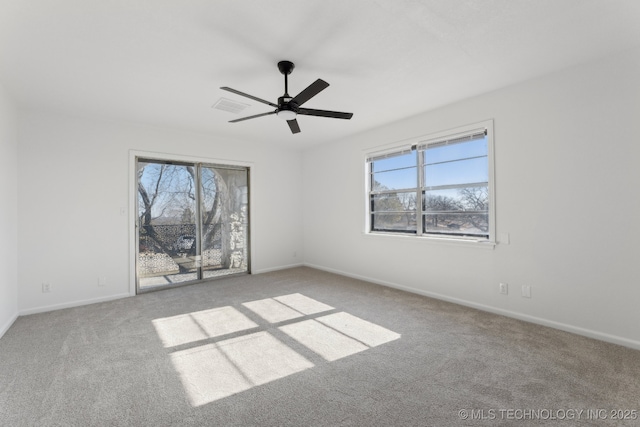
(157,256)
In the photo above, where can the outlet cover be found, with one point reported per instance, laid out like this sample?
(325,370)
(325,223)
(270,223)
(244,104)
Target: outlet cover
(102,281)
(526,291)
(46,287)
(503,288)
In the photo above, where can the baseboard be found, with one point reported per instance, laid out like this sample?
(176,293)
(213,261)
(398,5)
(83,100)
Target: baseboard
(282,267)
(53,307)
(525,317)
(4,328)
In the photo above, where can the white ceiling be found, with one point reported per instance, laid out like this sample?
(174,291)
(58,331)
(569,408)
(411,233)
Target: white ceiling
(162,62)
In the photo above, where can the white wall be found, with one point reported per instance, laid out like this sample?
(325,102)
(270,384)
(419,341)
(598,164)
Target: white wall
(74,179)
(567,190)
(8,212)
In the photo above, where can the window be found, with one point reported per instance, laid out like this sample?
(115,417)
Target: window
(439,186)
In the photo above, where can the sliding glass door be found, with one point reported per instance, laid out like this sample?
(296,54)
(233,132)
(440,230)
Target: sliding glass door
(224,218)
(192,222)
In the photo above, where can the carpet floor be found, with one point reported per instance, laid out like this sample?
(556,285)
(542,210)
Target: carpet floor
(303,347)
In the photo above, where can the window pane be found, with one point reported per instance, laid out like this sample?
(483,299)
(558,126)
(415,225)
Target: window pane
(456,199)
(404,222)
(397,162)
(167,232)
(458,223)
(462,150)
(394,202)
(224,221)
(456,172)
(395,179)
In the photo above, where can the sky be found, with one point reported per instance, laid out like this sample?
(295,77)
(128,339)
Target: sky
(445,165)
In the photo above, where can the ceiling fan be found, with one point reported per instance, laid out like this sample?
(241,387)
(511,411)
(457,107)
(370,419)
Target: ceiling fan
(287,107)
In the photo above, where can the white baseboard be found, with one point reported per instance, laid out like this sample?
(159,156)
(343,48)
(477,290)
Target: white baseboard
(525,317)
(53,307)
(4,328)
(282,267)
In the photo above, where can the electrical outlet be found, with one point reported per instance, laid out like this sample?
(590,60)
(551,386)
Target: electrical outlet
(526,291)
(504,288)
(46,287)
(102,281)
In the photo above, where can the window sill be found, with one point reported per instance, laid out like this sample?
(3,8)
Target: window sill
(450,241)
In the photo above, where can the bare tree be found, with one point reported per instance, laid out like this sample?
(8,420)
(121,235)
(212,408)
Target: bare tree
(438,203)
(444,204)
(476,199)
(400,205)
(148,197)
(166,198)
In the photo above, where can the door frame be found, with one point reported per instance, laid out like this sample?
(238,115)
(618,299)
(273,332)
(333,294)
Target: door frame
(133,201)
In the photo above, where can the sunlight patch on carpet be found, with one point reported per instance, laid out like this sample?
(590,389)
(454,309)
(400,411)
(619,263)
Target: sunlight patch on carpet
(200,325)
(219,370)
(218,366)
(327,342)
(365,332)
(272,311)
(303,304)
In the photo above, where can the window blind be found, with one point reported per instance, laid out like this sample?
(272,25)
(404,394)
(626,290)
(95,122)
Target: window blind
(439,142)
(401,151)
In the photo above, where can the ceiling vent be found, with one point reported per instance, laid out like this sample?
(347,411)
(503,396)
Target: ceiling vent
(231,106)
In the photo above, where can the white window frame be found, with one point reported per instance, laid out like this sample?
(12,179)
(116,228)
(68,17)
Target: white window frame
(415,143)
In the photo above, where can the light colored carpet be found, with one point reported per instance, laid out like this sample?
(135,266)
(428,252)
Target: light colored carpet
(303,347)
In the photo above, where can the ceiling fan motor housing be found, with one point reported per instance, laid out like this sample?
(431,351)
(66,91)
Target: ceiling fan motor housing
(284,103)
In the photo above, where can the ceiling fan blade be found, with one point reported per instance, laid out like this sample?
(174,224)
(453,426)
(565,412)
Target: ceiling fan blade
(237,92)
(312,90)
(324,113)
(293,125)
(252,117)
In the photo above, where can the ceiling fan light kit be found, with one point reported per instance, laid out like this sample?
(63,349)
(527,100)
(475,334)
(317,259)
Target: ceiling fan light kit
(287,114)
(288,108)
